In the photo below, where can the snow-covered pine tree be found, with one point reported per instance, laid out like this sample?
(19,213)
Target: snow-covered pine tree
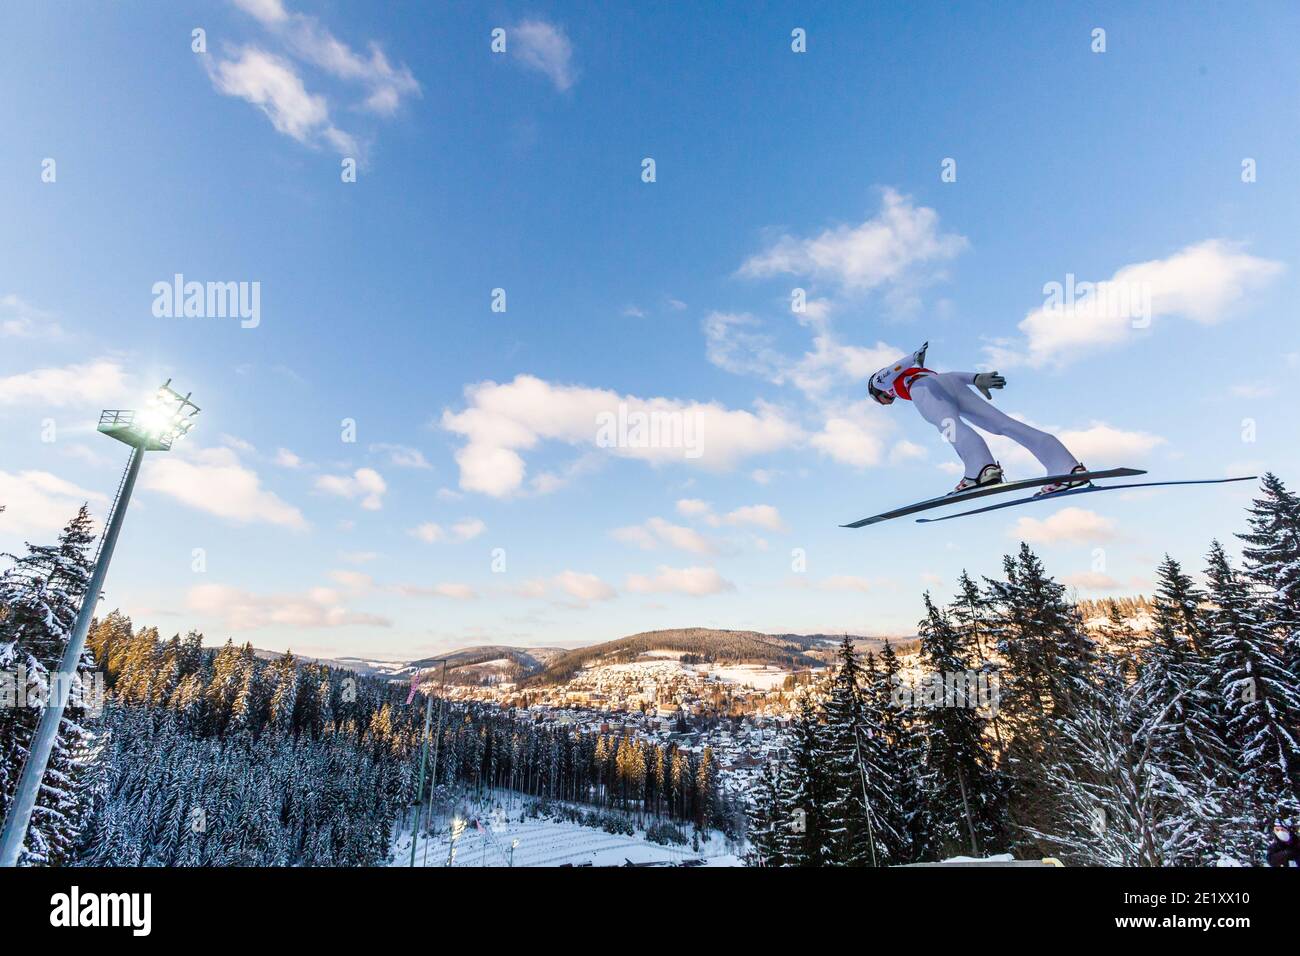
(961,787)
(1113,802)
(766,821)
(1257,693)
(895,765)
(1175,673)
(845,813)
(1049,661)
(973,620)
(804,794)
(1271,558)
(40,595)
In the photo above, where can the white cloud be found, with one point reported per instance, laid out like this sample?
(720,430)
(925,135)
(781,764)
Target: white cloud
(447,589)
(530,589)
(37,501)
(657,531)
(1202,283)
(20,320)
(267,11)
(733,344)
(501,421)
(583,587)
(854,435)
(543,47)
(310,41)
(364,483)
(429,532)
(241,610)
(695,581)
(468,529)
(904,451)
(760,516)
(214,480)
(287,459)
(1098,444)
(1073,525)
(271,83)
(101,382)
(356,582)
(464,530)
(238,444)
(888,248)
(402,456)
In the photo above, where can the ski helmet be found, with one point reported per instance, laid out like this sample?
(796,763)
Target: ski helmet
(883,385)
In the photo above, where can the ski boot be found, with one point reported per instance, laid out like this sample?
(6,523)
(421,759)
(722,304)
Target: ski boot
(1056,486)
(989,475)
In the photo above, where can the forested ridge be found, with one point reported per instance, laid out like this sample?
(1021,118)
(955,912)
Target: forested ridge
(698,643)
(211,757)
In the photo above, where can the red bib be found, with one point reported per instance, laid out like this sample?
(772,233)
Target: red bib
(902,384)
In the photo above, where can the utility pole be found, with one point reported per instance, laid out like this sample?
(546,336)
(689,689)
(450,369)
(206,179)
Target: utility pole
(168,418)
(424,756)
(433,777)
(866,801)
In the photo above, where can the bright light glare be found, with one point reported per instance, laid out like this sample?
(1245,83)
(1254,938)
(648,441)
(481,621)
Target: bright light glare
(153,421)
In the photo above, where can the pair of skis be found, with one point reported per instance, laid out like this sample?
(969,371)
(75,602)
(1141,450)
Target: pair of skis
(986,490)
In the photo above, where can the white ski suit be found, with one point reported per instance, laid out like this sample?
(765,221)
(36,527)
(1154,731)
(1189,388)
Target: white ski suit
(948,401)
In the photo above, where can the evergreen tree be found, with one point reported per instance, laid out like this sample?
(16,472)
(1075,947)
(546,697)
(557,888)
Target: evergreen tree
(1255,690)
(1271,559)
(40,596)
(962,792)
(840,753)
(1175,674)
(767,821)
(804,795)
(1049,662)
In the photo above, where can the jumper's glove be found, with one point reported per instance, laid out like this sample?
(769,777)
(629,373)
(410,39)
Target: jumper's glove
(986,380)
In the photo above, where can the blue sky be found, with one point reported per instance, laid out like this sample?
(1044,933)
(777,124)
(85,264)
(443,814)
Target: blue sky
(476,503)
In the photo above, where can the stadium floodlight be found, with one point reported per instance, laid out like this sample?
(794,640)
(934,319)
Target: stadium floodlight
(167,417)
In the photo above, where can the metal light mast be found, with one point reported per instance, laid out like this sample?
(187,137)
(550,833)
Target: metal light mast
(168,417)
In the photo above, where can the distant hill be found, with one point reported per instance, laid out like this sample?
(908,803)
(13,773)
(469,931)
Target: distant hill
(491,663)
(487,663)
(789,651)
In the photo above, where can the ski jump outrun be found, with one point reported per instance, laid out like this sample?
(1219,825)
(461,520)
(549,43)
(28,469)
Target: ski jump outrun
(952,403)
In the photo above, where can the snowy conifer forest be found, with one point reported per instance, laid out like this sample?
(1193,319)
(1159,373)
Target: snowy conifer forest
(1172,746)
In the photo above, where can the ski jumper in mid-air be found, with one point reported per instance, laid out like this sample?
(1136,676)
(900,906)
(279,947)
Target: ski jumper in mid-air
(947,401)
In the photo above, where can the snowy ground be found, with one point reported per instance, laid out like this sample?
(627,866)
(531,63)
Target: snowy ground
(543,842)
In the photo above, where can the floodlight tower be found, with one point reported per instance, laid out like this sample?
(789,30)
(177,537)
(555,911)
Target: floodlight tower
(168,417)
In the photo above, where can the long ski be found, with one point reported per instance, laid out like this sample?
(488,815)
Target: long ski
(1058,495)
(993,490)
